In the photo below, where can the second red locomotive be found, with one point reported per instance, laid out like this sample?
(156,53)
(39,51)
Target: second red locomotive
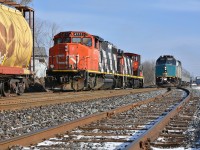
(81,61)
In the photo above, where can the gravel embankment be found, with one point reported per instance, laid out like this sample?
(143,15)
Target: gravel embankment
(193,132)
(16,123)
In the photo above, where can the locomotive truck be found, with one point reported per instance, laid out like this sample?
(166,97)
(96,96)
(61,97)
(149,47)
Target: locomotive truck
(81,61)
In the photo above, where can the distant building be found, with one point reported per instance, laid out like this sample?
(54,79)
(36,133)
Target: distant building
(41,61)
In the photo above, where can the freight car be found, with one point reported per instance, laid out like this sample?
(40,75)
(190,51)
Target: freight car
(15,51)
(169,72)
(81,61)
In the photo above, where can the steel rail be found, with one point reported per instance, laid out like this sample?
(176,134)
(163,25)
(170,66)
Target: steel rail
(38,136)
(144,140)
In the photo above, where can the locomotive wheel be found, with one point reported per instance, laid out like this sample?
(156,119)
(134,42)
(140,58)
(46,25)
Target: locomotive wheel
(92,82)
(17,87)
(4,89)
(20,88)
(66,86)
(78,84)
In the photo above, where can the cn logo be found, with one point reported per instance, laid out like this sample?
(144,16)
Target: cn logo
(72,58)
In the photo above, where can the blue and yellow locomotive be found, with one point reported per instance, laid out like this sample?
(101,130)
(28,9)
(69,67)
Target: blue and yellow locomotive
(168,71)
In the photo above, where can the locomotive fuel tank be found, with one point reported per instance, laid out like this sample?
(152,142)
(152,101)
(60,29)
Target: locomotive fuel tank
(15,39)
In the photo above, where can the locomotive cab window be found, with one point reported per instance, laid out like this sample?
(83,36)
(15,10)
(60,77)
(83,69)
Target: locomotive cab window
(162,61)
(57,41)
(171,61)
(66,40)
(76,40)
(87,41)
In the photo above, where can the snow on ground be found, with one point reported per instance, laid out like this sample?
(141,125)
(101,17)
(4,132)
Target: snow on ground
(196,87)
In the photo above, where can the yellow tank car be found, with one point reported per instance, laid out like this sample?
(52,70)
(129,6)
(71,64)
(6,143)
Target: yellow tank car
(15,38)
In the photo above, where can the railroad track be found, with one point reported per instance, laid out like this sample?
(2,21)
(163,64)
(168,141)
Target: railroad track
(39,99)
(111,126)
(130,128)
(176,132)
(32,137)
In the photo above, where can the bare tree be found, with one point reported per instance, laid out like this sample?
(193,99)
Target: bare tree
(39,33)
(51,30)
(44,33)
(149,72)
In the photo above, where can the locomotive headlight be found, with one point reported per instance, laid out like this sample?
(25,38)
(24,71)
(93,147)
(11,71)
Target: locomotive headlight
(165,79)
(165,69)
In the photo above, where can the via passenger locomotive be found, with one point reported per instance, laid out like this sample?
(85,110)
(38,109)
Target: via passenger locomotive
(81,61)
(169,72)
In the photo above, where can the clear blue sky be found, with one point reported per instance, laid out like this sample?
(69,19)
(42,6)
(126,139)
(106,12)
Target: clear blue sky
(148,27)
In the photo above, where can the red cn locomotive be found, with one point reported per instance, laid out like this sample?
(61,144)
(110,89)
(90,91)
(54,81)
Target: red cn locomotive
(81,61)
